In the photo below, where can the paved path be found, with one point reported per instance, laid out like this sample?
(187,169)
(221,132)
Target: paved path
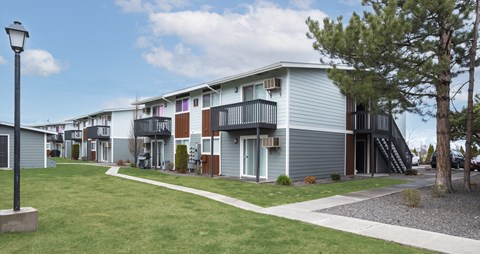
(305,211)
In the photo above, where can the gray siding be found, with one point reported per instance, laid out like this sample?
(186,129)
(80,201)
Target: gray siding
(120,150)
(316,153)
(32,147)
(315,102)
(169,149)
(230,157)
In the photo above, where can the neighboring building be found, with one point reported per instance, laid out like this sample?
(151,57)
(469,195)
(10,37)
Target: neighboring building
(54,142)
(300,121)
(103,136)
(33,143)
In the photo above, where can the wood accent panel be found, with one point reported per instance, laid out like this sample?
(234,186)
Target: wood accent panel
(350,109)
(94,155)
(84,134)
(350,155)
(206,159)
(206,128)
(182,125)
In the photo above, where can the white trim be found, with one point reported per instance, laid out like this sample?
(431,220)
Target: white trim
(45,159)
(162,152)
(28,128)
(340,131)
(287,127)
(242,138)
(111,149)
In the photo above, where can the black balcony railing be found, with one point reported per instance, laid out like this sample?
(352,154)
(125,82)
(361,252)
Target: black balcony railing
(73,135)
(153,126)
(55,138)
(98,132)
(244,115)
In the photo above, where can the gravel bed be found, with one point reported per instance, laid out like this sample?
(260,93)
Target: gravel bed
(456,214)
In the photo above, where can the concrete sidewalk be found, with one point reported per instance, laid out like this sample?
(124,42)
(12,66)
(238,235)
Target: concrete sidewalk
(305,212)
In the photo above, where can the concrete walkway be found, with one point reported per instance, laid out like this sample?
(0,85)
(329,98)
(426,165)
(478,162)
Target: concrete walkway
(305,211)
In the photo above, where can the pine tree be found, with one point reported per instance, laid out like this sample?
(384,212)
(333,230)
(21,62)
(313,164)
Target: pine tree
(430,153)
(402,53)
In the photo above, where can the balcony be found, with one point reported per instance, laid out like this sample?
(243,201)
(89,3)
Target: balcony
(153,126)
(98,132)
(55,138)
(377,124)
(73,135)
(244,115)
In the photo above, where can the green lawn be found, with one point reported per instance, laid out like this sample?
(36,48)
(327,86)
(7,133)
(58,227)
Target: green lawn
(265,195)
(64,160)
(82,210)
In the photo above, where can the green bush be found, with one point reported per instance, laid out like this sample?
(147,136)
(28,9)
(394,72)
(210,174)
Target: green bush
(284,180)
(181,159)
(411,197)
(411,172)
(75,151)
(439,191)
(335,177)
(310,179)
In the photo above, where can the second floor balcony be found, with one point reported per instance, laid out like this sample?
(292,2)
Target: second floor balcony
(55,138)
(98,132)
(73,135)
(244,115)
(365,122)
(153,126)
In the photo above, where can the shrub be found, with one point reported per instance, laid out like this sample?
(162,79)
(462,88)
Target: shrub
(132,165)
(181,159)
(284,180)
(439,191)
(198,169)
(169,166)
(84,158)
(411,197)
(75,151)
(120,162)
(411,172)
(335,177)
(310,179)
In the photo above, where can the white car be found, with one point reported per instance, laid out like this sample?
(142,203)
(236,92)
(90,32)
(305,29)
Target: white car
(415,160)
(477,159)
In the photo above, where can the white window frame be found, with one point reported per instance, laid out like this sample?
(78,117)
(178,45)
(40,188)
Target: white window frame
(48,146)
(254,84)
(93,146)
(211,94)
(216,140)
(183,141)
(242,138)
(182,110)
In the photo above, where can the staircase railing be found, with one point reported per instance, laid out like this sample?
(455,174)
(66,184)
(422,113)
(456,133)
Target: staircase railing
(401,145)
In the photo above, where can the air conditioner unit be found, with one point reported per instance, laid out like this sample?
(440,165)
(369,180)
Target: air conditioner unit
(270,142)
(272,84)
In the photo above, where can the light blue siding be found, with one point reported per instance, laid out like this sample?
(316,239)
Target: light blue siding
(315,102)
(316,153)
(32,147)
(120,150)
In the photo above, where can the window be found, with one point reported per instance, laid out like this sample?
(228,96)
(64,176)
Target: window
(253,92)
(181,105)
(210,100)
(93,146)
(158,111)
(182,142)
(206,146)
(49,146)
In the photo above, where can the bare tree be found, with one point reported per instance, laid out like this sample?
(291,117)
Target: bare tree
(134,143)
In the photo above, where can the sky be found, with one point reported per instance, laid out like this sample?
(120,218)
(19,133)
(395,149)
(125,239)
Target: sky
(84,56)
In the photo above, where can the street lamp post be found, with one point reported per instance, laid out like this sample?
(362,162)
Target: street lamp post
(17,35)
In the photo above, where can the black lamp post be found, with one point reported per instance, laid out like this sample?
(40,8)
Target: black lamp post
(17,35)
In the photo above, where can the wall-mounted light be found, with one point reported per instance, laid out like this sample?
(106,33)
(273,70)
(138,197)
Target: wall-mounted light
(235,140)
(236,89)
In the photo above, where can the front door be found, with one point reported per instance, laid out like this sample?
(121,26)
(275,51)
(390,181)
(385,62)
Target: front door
(157,154)
(250,158)
(3,151)
(105,147)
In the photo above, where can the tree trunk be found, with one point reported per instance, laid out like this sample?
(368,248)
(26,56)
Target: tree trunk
(444,172)
(471,82)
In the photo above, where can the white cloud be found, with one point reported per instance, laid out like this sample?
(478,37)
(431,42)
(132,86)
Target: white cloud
(3,60)
(150,6)
(38,62)
(301,4)
(212,44)
(120,102)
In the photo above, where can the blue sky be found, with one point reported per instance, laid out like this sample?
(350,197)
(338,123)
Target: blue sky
(83,56)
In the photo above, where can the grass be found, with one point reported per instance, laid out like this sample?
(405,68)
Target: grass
(65,160)
(265,195)
(81,210)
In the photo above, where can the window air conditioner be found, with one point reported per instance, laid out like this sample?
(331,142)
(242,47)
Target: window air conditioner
(270,142)
(271,84)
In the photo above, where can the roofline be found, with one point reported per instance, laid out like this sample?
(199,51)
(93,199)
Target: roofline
(48,124)
(271,67)
(29,128)
(100,112)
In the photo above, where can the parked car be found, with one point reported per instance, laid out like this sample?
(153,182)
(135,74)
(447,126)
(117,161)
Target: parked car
(477,159)
(457,160)
(474,165)
(415,160)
